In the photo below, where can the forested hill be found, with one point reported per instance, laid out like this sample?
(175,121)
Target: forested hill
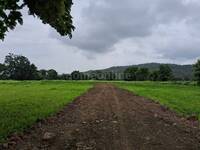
(179,71)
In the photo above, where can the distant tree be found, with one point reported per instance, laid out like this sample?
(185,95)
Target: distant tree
(100,75)
(142,74)
(154,75)
(85,76)
(76,75)
(56,13)
(2,72)
(110,76)
(34,73)
(52,74)
(42,74)
(165,73)
(130,74)
(197,72)
(19,67)
(186,78)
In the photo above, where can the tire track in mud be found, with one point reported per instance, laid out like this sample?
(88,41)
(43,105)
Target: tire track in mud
(124,142)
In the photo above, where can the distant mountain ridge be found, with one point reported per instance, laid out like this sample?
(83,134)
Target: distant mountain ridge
(179,71)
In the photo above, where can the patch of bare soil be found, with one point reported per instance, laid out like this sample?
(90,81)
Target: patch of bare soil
(108,118)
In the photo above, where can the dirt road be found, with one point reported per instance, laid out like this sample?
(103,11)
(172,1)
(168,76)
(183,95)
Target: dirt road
(108,118)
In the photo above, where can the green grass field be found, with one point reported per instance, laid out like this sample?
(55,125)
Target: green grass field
(22,103)
(184,99)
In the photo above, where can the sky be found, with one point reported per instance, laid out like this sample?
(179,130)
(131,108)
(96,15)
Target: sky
(112,33)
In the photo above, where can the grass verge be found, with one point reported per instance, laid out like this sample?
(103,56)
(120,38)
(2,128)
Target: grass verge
(184,99)
(22,103)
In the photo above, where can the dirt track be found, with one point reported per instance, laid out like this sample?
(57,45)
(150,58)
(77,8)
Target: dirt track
(107,118)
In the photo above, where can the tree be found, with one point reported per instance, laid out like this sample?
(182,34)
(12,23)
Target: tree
(142,74)
(19,67)
(197,72)
(130,74)
(56,13)
(34,75)
(154,76)
(97,75)
(165,73)
(110,76)
(2,72)
(76,75)
(42,74)
(52,74)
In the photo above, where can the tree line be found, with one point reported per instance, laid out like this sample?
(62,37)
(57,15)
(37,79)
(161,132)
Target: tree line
(18,67)
(164,73)
(143,74)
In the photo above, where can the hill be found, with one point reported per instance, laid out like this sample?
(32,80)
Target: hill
(181,72)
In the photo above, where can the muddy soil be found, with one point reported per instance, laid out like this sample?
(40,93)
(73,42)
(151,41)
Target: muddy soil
(108,118)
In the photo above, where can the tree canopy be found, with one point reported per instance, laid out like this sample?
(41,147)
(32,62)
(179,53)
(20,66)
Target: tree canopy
(19,68)
(130,74)
(165,73)
(52,74)
(142,74)
(77,75)
(56,13)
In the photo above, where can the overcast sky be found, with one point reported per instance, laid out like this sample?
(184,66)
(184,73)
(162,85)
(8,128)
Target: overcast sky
(112,33)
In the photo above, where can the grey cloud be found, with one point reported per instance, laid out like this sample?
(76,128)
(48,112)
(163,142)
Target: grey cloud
(101,24)
(105,24)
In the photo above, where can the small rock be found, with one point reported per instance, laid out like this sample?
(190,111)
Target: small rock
(89,148)
(77,130)
(97,121)
(174,124)
(183,119)
(147,138)
(48,136)
(84,122)
(156,115)
(115,122)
